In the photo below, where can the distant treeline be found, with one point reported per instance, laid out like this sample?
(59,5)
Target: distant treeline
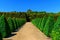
(30,14)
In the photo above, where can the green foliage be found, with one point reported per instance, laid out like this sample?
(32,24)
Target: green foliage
(4,28)
(56,30)
(43,23)
(14,22)
(37,22)
(49,26)
(11,24)
(20,22)
(17,23)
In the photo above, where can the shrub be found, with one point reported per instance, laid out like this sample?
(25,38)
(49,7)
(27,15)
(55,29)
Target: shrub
(11,24)
(49,26)
(20,22)
(0,36)
(4,27)
(43,23)
(14,22)
(56,30)
(37,22)
(17,23)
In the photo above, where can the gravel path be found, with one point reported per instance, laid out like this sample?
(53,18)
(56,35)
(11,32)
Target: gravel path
(29,32)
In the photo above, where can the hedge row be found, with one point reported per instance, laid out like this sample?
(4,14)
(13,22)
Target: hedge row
(48,26)
(37,22)
(7,26)
(56,30)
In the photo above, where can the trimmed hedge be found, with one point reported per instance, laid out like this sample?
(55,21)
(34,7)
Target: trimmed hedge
(37,22)
(56,30)
(20,22)
(7,26)
(48,26)
(4,27)
(43,23)
(15,24)
(11,24)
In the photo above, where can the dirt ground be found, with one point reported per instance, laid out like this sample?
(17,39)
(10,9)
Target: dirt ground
(29,32)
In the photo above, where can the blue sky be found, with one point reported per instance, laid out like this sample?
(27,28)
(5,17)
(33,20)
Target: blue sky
(35,5)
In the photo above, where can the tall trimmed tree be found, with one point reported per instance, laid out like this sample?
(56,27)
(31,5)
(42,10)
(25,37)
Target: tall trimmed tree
(37,22)
(17,23)
(14,21)
(43,23)
(49,26)
(11,24)
(4,27)
(56,30)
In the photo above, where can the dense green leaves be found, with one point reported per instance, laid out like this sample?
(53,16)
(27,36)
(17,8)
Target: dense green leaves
(11,24)
(4,28)
(49,25)
(45,24)
(56,30)
(7,26)
(14,22)
(37,22)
